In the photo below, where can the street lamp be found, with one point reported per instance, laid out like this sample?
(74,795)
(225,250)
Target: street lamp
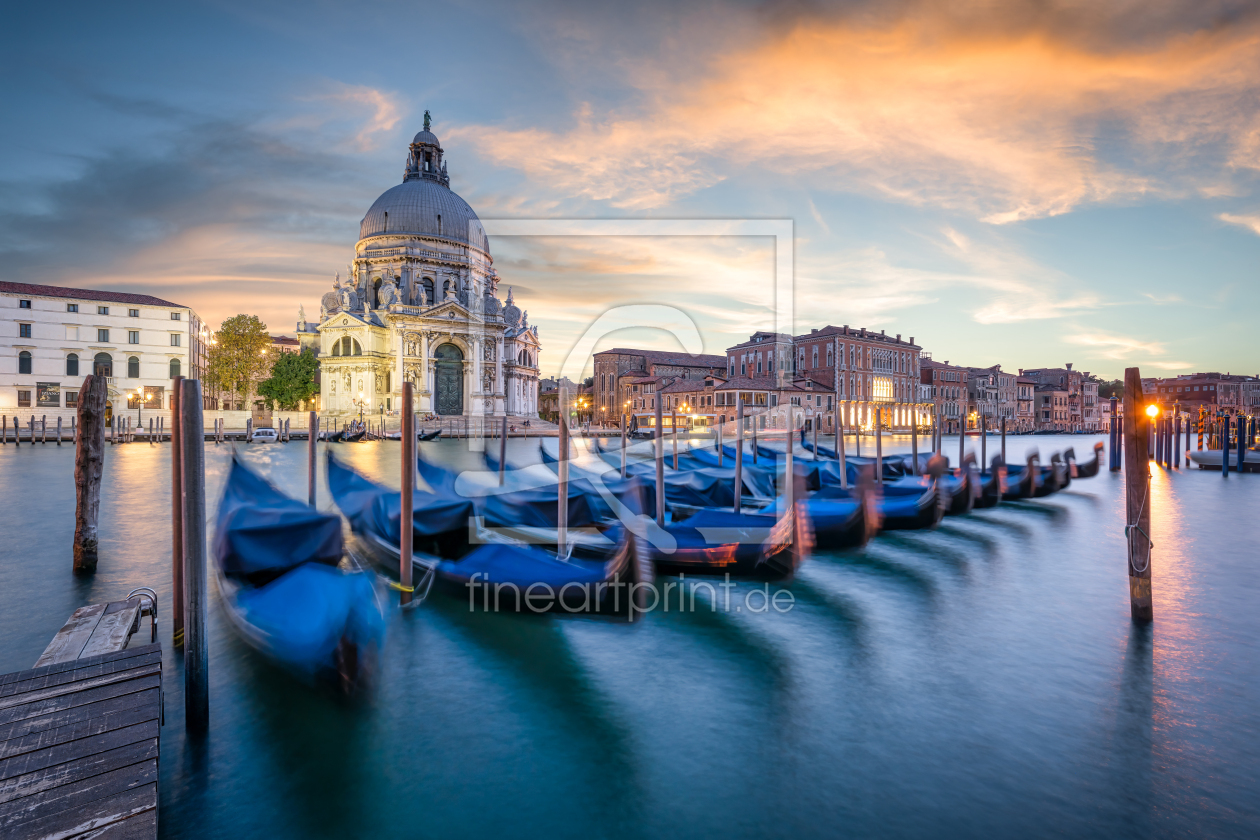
(141,398)
(360,402)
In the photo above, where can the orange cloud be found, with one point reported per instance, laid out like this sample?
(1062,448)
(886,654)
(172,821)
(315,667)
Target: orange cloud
(1005,125)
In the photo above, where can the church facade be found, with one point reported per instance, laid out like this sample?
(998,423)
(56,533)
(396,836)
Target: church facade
(420,304)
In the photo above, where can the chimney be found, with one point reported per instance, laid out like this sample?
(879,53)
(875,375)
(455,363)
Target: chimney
(912,339)
(1069,365)
(863,332)
(846,329)
(883,332)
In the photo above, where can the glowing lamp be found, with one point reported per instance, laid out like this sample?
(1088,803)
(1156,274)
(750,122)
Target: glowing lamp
(1152,411)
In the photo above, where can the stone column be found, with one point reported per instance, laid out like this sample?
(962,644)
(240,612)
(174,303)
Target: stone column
(498,373)
(426,375)
(468,389)
(396,391)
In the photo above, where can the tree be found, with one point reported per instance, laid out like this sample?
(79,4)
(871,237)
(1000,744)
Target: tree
(239,354)
(1109,389)
(292,380)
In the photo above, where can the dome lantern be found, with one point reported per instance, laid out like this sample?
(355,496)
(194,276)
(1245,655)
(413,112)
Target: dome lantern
(424,161)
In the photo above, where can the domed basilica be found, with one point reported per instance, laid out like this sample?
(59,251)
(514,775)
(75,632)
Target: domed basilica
(420,304)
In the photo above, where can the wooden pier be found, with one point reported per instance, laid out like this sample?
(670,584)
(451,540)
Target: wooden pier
(79,733)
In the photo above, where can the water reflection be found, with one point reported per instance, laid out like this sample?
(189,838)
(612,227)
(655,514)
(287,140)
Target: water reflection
(981,680)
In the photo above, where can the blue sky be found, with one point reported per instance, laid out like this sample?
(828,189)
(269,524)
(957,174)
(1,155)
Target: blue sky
(1024,183)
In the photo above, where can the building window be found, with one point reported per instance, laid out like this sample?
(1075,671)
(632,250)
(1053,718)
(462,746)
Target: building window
(102,310)
(133,367)
(102,336)
(72,399)
(24,399)
(24,362)
(174,368)
(174,339)
(24,330)
(72,307)
(133,336)
(72,364)
(103,364)
(24,304)
(133,313)
(174,316)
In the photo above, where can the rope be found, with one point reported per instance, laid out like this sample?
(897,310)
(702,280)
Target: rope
(1129,529)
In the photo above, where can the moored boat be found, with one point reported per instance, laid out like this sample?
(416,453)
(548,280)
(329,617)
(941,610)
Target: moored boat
(283,591)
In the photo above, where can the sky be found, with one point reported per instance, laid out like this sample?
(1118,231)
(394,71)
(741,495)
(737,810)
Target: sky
(1024,183)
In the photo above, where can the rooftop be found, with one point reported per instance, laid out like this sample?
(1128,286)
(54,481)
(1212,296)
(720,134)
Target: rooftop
(83,294)
(668,357)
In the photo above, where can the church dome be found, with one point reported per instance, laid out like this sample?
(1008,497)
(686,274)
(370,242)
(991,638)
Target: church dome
(426,208)
(423,203)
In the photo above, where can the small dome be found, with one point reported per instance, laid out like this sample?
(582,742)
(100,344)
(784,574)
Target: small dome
(426,136)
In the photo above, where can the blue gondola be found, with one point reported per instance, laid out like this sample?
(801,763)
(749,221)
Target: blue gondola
(276,561)
(496,576)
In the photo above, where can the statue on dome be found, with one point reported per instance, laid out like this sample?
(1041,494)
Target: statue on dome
(301,317)
(427,119)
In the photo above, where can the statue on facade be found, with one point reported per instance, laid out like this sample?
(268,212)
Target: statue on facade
(386,295)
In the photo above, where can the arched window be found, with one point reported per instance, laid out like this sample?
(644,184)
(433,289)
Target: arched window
(24,361)
(174,368)
(446,288)
(103,364)
(133,367)
(358,351)
(337,347)
(428,290)
(72,364)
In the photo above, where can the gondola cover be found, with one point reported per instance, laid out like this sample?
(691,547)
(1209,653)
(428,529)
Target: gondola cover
(263,533)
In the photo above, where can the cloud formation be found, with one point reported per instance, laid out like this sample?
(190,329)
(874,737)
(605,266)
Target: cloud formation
(1024,115)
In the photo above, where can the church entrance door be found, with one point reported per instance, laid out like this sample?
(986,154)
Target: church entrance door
(449,376)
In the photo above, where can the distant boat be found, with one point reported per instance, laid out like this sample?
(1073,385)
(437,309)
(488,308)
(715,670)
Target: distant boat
(1210,459)
(283,591)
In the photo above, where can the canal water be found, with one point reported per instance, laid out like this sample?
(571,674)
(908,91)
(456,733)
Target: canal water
(982,679)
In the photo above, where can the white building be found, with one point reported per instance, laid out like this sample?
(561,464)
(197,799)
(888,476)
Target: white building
(51,337)
(420,304)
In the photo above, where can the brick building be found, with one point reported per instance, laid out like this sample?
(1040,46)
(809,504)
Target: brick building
(950,399)
(617,388)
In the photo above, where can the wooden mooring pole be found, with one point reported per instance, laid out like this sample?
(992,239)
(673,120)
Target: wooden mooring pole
(406,527)
(193,474)
(89,464)
(312,438)
(660,464)
(1137,480)
(177,517)
(623,446)
(673,423)
(503,451)
(844,464)
(739,454)
(879,447)
(562,471)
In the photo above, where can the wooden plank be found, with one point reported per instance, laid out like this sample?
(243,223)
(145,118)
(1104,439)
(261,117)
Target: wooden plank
(20,730)
(76,750)
(101,669)
(78,685)
(82,662)
(90,816)
(66,797)
(63,774)
(111,635)
(64,702)
(138,827)
(98,725)
(71,638)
